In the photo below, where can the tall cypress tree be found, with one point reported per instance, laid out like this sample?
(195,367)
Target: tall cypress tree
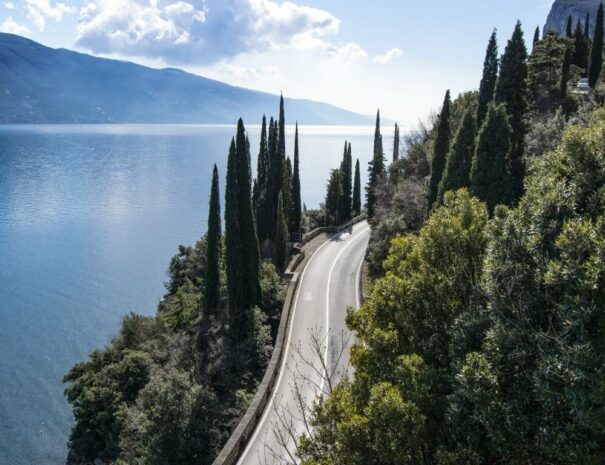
(281,144)
(242,252)
(489,78)
(234,247)
(262,185)
(287,192)
(511,89)
(357,190)
(346,169)
(272,182)
(587,26)
(281,236)
(440,151)
(333,201)
(565,72)
(246,218)
(460,158)
(213,249)
(396,142)
(277,154)
(536,37)
(376,169)
(280,164)
(568,27)
(596,56)
(490,179)
(296,197)
(580,49)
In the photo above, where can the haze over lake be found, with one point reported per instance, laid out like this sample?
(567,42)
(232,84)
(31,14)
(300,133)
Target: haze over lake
(89,218)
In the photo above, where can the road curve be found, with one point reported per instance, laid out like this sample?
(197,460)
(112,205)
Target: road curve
(328,284)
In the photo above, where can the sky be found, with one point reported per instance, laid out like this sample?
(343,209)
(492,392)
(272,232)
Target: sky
(397,55)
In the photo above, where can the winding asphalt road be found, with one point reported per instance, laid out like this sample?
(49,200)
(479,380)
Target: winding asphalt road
(328,284)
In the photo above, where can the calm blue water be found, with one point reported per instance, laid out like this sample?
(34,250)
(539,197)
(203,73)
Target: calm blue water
(89,218)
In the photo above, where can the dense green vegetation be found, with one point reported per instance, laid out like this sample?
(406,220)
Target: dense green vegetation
(482,339)
(483,343)
(170,389)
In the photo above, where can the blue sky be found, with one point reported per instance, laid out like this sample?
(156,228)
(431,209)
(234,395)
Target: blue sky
(400,56)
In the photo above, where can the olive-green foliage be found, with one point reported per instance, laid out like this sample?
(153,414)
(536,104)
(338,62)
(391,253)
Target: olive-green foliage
(544,134)
(402,201)
(460,158)
(544,285)
(394,406)
(484,343)
(402,209)
(155,395)
(545,71)
(313,219)
(189,263)
(169,424)
(490,171)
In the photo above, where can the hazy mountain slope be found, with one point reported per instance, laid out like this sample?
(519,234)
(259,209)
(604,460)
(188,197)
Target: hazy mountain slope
(43,85)
(561,9)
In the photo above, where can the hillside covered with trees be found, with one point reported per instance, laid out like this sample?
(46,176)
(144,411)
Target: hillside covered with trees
(481,341)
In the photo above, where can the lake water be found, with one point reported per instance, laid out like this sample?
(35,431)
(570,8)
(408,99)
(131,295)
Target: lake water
(89,218)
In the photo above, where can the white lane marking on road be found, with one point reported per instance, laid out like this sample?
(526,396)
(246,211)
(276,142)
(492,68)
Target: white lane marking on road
(353,241)
(307,296)
(263,419)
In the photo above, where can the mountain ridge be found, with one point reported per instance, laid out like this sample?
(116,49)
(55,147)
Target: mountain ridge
(39,84)
(562,9)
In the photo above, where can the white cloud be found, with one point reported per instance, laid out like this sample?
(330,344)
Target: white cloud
(347,53)
(11,27)
(388,57)
(9,5)
(203,32)
(38,11)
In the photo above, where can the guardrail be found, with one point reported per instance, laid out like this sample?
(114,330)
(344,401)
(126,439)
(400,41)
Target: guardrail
(237,441)
(331,229)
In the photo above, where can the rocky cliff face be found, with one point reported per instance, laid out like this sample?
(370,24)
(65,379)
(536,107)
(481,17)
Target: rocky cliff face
(561,9)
